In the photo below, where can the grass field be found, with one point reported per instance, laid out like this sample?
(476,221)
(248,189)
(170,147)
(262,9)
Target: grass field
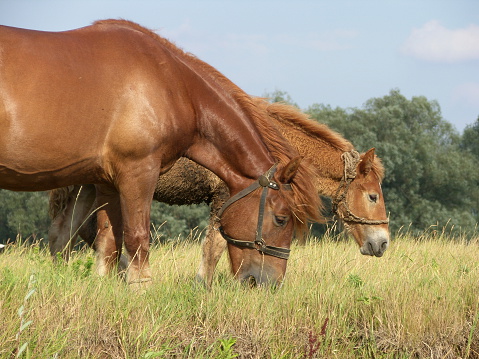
(421,300)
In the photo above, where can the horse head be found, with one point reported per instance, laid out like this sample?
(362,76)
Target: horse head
(259,255)
(359,202)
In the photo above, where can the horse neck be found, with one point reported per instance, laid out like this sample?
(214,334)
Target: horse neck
(229,143)
(324,156)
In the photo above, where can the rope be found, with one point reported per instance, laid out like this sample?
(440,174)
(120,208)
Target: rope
(351,160)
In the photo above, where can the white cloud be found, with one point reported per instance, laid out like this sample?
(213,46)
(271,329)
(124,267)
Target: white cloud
(433,42)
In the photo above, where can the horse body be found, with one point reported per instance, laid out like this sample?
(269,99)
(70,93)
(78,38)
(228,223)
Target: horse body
(188,183)
(116,105)
(118,108)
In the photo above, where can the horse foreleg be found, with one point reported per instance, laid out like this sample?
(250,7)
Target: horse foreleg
(136,196)
(108,242)
(57,239)
(137,243)
(213,247)
(88,228)
(62,234)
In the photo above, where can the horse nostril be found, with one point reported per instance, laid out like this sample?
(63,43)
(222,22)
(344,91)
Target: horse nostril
(381,248)
(384,245)
(251,281)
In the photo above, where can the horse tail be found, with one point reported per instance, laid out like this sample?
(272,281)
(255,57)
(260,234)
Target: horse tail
(58,200)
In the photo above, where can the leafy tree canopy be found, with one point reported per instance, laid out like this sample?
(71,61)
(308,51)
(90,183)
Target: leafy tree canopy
(23,215)
(280,96)
(470,139)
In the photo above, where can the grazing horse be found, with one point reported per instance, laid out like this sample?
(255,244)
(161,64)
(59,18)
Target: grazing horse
(115,105)
(351,180)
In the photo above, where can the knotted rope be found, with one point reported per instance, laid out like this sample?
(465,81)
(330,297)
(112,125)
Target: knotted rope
(351,160)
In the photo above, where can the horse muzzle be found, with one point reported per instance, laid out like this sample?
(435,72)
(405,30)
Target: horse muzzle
(261,278)
(376,243)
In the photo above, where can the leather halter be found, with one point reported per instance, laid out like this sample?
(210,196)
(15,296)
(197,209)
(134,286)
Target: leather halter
(265,181)
(351,160)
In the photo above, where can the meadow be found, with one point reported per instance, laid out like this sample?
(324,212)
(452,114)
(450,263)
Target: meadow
(420,300)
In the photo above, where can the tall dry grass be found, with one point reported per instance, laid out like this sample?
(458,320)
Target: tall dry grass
(419,301)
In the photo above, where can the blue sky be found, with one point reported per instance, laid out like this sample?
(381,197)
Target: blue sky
(340,53)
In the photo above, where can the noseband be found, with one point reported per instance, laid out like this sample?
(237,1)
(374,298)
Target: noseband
(351,160)
(265,181)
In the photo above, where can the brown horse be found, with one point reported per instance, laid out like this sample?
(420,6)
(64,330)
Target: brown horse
(115,105)
(353,182)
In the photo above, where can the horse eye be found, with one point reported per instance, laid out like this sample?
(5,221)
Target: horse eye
(373,197)
(280,221)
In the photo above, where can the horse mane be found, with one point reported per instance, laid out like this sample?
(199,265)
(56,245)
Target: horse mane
(307,206)
(292,116)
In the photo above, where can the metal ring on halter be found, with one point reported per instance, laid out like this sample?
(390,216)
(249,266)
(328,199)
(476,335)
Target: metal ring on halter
(265,181)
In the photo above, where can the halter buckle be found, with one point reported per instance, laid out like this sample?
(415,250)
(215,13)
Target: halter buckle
(259,244)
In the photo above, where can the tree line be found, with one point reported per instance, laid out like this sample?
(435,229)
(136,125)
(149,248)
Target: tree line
(432,176)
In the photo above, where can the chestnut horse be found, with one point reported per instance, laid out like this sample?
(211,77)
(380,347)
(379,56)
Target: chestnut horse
(115,105)
(352,180)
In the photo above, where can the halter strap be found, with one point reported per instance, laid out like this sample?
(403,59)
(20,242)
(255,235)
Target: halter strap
(262,181)
(279,252)
(351,160)
(265,181)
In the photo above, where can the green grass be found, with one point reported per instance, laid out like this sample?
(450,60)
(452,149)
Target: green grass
(420,300)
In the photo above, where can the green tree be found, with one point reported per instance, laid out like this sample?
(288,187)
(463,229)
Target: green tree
(429,179)
(470,144)
(24,214)
(470,139)
(169,222)
(280,96)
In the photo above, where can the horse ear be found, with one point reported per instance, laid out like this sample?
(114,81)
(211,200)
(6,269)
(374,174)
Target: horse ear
(289,171)
(367,161)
